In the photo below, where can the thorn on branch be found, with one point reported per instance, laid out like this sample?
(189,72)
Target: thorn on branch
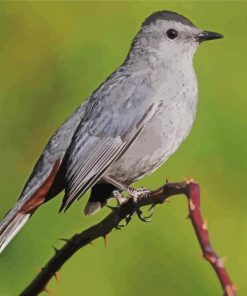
(186,180)
(55,249)
(205,224)
(66,240)
(188,216)
(212,259)
(57,277)
(189,180)
(192,205)
(48,291)
(106,236)
(220,263)
(230,290)
(224,259)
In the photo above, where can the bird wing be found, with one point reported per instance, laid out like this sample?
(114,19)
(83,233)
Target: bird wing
(91,155)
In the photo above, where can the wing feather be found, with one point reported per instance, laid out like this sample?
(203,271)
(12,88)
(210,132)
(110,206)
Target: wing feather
(79,183)
(84,172)
(88,159)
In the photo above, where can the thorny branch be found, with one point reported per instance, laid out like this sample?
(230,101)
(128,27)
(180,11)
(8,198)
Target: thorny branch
(124,211)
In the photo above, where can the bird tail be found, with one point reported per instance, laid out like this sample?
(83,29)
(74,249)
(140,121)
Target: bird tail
(10,226)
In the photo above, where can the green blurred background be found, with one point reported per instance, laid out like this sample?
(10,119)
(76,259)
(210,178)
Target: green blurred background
(52,56)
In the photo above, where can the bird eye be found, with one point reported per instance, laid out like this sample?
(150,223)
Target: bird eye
(172,34)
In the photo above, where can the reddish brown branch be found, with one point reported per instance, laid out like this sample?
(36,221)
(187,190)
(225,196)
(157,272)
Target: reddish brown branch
(200,227)
(72,245)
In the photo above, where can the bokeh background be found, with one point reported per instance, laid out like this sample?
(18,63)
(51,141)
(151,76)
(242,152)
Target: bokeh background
(52,56)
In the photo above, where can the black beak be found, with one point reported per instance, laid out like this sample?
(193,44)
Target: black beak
(206,35)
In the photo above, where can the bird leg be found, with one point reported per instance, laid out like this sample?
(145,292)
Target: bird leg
(121,200)
(134,194)
(138,193)
(119,197)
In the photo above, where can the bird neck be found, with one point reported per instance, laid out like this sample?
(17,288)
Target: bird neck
(161,72)
(162,63)
(175,59)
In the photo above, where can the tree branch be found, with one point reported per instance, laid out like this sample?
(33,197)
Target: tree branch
(124,211)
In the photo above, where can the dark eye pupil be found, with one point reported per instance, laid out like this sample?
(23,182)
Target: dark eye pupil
(172,33)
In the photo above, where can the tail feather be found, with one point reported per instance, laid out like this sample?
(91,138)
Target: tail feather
(13,222)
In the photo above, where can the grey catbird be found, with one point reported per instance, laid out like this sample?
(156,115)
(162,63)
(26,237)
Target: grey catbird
(126,129)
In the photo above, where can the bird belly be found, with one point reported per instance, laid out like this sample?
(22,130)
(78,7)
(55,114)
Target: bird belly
(159,139)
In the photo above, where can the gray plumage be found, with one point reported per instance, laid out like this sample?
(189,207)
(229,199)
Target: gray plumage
(128,127)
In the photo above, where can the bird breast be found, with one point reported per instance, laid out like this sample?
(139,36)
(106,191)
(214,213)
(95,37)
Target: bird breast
(163,134)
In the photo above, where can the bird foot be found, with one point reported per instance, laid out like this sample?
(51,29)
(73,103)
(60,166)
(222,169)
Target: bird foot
(126,221)
(121,200)
(137,193)
(139,213)
(119,197)
(146,218)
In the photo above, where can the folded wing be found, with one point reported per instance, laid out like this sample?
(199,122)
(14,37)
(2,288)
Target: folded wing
(90,156)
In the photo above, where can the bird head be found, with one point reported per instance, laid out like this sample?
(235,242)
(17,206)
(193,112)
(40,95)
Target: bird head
(171,35)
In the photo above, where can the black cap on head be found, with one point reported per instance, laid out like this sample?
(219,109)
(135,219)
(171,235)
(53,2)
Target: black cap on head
(168,16)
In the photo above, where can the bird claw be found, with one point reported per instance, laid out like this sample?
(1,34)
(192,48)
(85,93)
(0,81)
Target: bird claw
(143,219)
(140,192)
(138,212)
(127,221)
(129,218)
(151,210)
(135,194)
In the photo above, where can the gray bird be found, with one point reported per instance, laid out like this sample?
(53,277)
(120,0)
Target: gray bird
(130,125)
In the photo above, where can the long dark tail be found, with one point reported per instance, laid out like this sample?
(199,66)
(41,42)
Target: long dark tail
(11,225)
